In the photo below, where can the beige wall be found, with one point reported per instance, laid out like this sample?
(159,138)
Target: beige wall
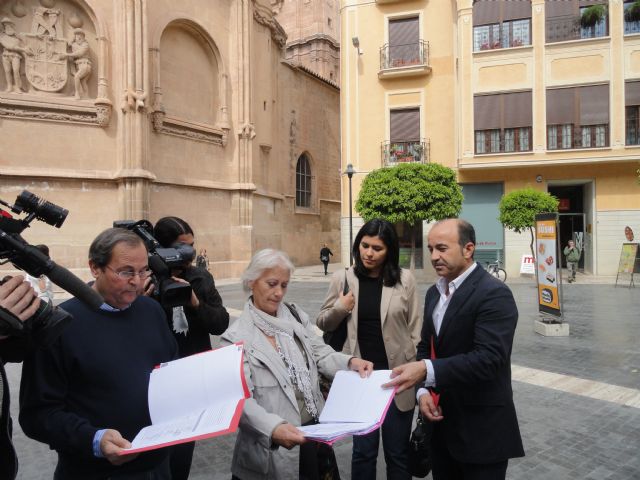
(189,113)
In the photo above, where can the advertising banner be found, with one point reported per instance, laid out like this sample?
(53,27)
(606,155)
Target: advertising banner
(547,264)
(628,263)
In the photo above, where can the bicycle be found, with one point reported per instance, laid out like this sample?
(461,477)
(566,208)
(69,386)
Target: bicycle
(495,269)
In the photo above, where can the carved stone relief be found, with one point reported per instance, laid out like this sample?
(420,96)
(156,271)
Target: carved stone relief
(45,44)
(264,16)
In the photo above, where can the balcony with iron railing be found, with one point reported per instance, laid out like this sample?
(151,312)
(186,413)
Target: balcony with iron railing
(410,59)
(569,27)
(415,151)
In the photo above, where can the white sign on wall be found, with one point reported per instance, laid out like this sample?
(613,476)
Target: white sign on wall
(528,265)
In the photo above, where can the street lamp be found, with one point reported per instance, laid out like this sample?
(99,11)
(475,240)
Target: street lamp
(350,171)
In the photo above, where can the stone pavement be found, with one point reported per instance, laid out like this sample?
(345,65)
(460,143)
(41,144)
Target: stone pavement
(578,397)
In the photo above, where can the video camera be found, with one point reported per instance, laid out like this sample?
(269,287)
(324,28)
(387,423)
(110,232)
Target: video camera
(47,323)
(161,261)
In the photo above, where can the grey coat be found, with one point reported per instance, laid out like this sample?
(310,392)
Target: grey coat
(273,400)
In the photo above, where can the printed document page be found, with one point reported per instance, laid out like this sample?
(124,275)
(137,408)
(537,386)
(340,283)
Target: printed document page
(194,397)
(355,406)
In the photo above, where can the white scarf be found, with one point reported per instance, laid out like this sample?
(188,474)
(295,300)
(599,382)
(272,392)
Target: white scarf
(281,328)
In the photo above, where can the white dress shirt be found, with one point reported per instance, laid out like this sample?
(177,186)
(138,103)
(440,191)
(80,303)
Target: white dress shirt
(446,292)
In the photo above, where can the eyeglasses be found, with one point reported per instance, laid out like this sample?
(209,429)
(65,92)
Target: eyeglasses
(129,274)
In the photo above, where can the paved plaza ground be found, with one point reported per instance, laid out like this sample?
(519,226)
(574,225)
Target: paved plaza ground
(577,397)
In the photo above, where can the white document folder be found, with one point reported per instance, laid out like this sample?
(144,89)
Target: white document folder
(355,406)
(192,398)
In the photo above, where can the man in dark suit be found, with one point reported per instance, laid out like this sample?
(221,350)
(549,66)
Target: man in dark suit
(470,319)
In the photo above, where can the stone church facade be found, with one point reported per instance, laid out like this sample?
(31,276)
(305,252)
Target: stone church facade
(132,109)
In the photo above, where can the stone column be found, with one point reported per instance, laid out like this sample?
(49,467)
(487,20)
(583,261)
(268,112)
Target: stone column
(134,178)
(242,231)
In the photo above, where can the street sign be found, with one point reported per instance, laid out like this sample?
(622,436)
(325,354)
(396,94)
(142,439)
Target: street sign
(549,273)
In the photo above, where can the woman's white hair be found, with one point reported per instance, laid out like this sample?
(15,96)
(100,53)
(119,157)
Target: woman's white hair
(265,260)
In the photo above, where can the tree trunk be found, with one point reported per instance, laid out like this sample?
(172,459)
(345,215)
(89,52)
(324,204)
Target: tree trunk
(533,252)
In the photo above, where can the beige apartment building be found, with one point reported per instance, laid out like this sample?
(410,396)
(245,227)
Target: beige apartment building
(510,94)
(132,109)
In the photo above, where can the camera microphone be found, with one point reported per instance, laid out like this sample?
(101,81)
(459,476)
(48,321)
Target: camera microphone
(76,287)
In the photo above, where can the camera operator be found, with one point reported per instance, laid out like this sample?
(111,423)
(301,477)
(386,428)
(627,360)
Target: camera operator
(86,395)
(19,299)
(192,323)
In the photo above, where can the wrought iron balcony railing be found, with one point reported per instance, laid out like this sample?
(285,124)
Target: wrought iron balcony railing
(568,27)
(408,55)
(405,152)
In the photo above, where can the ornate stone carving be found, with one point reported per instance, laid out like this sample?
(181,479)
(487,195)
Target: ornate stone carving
(47,55)
(103,113)
(13,49)
(173,126)
(46,70)
(293,128)
(247,131)
(49,114)
(133,101)
(264,16)
(80,56)
(46,22)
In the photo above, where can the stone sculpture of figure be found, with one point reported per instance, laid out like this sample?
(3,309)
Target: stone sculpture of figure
(12,55)
(80,55)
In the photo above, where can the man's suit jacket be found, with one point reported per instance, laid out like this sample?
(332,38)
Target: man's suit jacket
(473,369)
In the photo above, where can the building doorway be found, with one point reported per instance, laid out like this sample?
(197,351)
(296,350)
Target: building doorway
(573,222)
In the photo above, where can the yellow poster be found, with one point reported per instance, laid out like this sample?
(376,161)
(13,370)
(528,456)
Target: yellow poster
(547,264)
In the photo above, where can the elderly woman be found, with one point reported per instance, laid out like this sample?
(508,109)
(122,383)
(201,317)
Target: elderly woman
(282,362)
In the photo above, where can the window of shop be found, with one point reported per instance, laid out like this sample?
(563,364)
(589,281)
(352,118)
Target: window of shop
(480,208)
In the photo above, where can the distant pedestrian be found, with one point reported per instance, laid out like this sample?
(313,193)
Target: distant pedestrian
(573,257)
(202,261)
(324,256)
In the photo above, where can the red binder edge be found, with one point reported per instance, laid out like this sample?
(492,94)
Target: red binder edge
(233,426)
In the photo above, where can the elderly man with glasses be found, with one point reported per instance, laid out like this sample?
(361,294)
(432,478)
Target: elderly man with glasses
(86,396)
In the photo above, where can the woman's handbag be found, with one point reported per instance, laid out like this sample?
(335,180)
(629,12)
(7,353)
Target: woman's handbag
(337,337)
(419,456)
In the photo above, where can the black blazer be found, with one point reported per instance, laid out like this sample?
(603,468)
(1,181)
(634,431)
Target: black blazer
(473,369)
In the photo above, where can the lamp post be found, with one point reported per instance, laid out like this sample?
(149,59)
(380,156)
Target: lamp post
(350,171)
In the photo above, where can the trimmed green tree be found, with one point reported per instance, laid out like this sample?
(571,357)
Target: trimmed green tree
(518,209)
(410,193)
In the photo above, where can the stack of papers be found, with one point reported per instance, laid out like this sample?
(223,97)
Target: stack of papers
(192,398)
(355,406)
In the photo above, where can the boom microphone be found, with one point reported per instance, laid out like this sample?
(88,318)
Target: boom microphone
(36,263)
(76,287)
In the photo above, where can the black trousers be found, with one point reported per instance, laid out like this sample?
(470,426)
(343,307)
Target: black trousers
(444,467)
(180,457)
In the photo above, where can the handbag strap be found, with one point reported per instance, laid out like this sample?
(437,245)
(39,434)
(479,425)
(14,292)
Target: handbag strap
(345,287)
(293,311)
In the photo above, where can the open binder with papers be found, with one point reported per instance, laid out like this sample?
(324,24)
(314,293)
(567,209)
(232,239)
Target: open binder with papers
(355,406)
(192,398)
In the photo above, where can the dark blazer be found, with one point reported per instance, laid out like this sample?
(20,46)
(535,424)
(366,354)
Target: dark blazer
(473,369)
